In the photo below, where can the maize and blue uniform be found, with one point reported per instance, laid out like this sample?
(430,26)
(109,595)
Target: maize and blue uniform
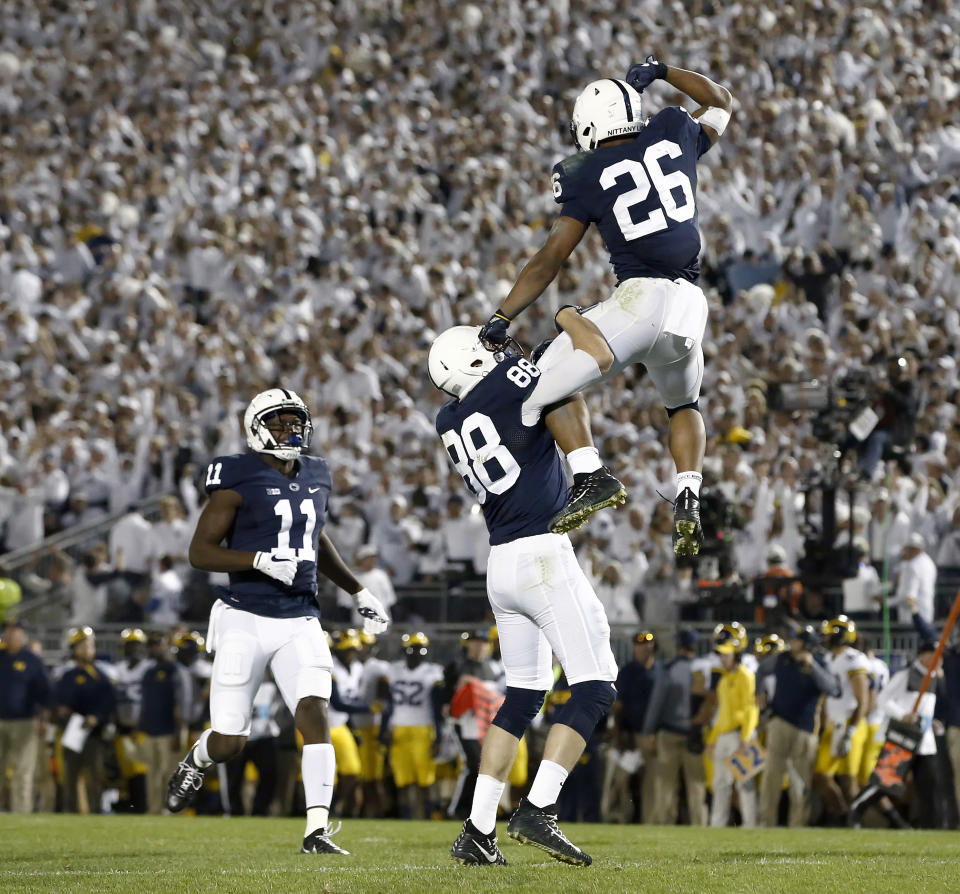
(541,599)
(413,722)
(256,619)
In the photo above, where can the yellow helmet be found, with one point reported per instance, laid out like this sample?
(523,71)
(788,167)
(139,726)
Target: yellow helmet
(729,639)
(839,631)
(192,640)
(366,639)
(346,639)
(78,634)
(132,635)
(769,645)
(415,641)
(493,635)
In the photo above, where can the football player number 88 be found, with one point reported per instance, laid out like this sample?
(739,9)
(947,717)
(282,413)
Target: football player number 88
(644,174)
(484,463)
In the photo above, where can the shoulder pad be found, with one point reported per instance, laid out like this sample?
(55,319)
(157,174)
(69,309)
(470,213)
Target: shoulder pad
(225,472)
(564,177)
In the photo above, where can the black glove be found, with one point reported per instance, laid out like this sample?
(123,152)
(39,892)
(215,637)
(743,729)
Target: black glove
(641,75)
(493,333)
(576,307)
(695,740)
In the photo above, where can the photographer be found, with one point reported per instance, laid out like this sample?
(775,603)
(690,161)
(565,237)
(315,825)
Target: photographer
(896,401)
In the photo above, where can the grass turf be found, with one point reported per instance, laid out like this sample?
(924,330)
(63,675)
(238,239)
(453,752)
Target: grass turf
(187,854)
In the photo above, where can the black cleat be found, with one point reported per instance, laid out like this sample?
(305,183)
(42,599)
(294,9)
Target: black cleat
(538,826)
(319,842)
(473,848)
(687,532)
(591,492)
(183,786)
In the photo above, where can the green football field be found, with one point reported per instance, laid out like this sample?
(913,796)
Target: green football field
(140,854)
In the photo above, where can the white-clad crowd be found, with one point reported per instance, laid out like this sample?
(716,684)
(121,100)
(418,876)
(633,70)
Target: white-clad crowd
(200,201)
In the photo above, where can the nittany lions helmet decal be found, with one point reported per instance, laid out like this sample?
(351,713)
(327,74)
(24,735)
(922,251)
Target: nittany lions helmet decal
(262,409)
(605,109)
(457,360)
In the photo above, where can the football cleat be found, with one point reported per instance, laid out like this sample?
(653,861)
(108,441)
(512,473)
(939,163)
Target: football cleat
(591,492)
(687,531)
(473,848)
(538,826)
(319,842)
(183,786)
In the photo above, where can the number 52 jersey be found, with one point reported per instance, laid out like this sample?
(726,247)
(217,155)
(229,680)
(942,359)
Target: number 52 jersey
(513,469)
(278,515)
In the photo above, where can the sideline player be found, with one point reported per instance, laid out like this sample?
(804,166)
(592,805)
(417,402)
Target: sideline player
(494,435)
(637,181)
(269,507)
(844,735)
(412,724)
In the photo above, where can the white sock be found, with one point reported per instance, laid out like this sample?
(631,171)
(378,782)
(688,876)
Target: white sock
(693,480)
(486,797)
(318,766)
(201,757)
(584,459)
(547,784)
(574,374)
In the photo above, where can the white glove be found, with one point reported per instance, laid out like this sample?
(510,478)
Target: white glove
(283,570)
(375,617)
(842,740)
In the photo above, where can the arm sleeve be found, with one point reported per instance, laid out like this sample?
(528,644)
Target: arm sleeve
(437,702)
(651,718)
(826,682)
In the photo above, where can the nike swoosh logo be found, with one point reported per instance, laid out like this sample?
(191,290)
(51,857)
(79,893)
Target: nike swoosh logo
(491,856)
(312,490)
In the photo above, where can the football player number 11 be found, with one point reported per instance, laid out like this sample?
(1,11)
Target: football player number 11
(477,451)
(644,175)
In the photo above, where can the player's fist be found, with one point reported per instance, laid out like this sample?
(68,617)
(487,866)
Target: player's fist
(375,617)
(493,333)
(283,570)
(641,75)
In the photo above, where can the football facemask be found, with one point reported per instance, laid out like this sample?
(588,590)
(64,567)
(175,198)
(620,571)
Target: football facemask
(264,413)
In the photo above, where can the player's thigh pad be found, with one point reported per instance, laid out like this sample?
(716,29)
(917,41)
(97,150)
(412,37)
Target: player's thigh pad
(302,665)
(540,579)
(237,671)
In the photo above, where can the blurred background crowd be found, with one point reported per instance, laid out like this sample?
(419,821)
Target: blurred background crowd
(194,207)
(197,203)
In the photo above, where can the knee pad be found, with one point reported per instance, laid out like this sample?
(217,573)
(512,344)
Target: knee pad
(518,709)
(588,702)
(694,406)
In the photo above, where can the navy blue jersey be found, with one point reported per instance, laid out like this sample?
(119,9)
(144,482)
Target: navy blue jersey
(642,197)
(513,469)
(278,515)
(24,685)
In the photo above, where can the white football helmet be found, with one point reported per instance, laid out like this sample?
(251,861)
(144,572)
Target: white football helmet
(606,108)
(457,360)
(262,408)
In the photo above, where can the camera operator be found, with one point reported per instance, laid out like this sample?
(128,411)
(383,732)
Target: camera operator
(896,401)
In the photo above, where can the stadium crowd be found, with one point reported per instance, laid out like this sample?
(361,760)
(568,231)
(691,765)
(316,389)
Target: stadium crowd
(308,191)
(196,206)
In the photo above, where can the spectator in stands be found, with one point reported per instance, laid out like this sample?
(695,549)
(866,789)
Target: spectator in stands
(916,580)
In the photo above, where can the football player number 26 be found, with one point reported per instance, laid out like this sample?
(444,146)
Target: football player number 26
(644,175)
